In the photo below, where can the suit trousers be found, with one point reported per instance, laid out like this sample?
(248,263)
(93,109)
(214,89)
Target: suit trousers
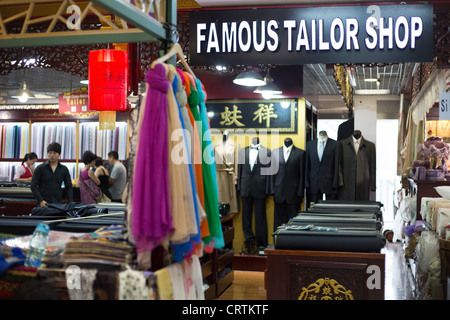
(283,212)
(260,220)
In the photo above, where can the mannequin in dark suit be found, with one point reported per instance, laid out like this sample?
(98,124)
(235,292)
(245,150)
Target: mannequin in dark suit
(289,184)
(254,185)
(357,169)
(322,175)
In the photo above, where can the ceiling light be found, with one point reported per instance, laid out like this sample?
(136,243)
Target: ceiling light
(23,94)
(270,89)
(373,92)
(249,79)
(84,81)
(371,80)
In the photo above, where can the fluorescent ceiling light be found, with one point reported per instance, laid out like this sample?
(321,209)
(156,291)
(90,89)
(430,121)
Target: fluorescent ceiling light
(84,81)
(249,79)
(270,89)
(373,92)
(370,80)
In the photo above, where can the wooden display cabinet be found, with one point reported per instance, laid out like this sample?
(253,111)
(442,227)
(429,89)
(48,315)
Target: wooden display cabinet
(217,267)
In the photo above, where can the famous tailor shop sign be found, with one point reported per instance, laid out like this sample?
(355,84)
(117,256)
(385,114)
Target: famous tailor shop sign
(347,34)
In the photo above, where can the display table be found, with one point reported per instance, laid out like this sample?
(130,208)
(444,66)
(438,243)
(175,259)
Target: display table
(324,275)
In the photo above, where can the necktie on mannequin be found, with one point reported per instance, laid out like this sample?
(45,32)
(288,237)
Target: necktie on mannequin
(321,148)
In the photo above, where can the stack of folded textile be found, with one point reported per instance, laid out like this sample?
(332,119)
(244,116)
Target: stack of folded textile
(98,253)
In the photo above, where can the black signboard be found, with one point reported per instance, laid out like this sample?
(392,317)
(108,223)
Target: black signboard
(258,114)
(295,36)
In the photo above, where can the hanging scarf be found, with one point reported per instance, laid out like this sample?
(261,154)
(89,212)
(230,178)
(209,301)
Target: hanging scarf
(209,171)
(151,215)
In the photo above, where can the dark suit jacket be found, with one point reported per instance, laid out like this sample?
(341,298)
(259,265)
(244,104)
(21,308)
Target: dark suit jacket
(322,176)
(289,179)
(255,183)
(357,173)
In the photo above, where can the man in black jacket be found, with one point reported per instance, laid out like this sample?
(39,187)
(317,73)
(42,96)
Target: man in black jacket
(322,168)
(289,184)
(254,185)
(48,177)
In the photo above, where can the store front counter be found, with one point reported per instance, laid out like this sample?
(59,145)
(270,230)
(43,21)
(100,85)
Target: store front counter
(324,275)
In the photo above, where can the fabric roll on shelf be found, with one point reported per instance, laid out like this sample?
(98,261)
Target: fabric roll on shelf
(334,226)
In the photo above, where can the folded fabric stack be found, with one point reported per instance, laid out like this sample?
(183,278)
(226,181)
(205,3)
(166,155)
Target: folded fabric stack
(179,281)
(96,253)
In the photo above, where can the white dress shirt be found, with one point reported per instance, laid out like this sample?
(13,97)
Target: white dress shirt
(287,152)
(253,154)
(319,141)
(356,143)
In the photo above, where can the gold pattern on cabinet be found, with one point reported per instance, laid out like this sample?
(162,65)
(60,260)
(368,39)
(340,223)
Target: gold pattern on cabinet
(325,289)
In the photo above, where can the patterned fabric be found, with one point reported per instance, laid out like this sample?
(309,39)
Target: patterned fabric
(132,285)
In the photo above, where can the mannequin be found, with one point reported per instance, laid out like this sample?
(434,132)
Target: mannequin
(288,182)
(357,134)
(288,142)
(226,152)
(254,187)
(255,141)
(357,168)
(225,137)
(322,164)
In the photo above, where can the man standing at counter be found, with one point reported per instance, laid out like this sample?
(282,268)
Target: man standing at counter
(48,177)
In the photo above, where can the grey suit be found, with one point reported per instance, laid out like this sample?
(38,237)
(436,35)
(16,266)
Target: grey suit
(357,172)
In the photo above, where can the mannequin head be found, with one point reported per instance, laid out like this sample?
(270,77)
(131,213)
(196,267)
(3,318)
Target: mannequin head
(288,142)
(357,134)
(255,140)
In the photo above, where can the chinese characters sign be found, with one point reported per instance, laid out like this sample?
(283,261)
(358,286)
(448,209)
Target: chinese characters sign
(270,115)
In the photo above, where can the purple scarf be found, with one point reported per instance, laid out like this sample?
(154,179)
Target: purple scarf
(151,216)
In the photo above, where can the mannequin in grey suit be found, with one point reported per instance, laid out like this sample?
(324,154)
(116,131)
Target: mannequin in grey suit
(254,185)
(322,172)
(289,186)
(357,169)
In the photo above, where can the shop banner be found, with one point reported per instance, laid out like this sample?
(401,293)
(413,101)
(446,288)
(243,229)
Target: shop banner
(293,36)
(444,106)
(75,103)
(258,114)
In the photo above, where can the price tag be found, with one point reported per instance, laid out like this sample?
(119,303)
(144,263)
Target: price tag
(444,106)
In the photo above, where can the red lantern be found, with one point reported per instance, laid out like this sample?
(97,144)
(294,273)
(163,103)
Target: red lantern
(108,84)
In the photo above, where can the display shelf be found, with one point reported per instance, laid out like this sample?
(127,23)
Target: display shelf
(217,267)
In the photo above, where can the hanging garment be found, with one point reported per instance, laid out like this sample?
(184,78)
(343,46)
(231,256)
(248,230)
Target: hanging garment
(226,156)
(357,172)
(164,284)
(197,153)
(132,285)
(151,216)
(181,96)
(289,184)
(182,204)
(322,177)
(177,281)
(209,173)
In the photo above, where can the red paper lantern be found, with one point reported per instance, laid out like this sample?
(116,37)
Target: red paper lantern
(108,84)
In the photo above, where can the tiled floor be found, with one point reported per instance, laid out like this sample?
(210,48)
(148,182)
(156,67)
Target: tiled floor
(249,285)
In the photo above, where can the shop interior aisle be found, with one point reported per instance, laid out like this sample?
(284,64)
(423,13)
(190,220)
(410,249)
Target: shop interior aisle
(249,285)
